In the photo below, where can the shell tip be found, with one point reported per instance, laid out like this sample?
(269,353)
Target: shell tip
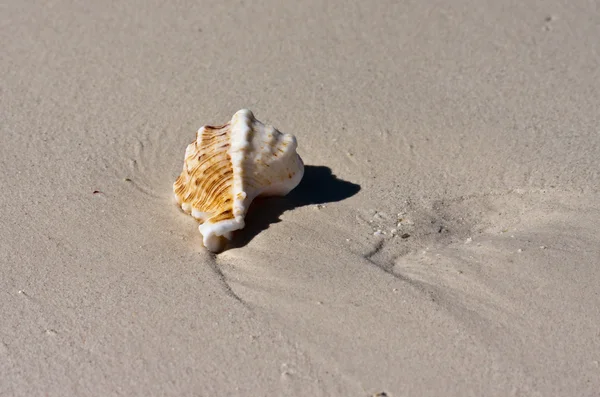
(214,243)
(245,113)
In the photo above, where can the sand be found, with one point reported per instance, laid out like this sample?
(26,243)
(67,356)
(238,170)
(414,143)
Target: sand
(444,241)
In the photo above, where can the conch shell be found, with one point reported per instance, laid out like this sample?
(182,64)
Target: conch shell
(227,166)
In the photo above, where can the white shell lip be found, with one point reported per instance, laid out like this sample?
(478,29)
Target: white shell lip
(263,162)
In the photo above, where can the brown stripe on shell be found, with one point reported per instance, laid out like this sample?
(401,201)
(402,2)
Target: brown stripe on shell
(207,177)
(223,216)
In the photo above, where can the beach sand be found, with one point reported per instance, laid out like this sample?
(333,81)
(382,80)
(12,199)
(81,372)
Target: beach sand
(443,242)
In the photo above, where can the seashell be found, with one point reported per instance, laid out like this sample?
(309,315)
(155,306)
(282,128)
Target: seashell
(226,167)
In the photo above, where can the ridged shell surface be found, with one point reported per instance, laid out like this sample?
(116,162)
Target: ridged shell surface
(227,166)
